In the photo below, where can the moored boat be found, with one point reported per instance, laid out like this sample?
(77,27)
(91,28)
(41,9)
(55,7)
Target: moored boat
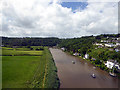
(73,62)
(112,74)
(93,75)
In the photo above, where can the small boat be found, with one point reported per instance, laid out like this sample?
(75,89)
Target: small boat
(93,75)
(73,62)
(112,74)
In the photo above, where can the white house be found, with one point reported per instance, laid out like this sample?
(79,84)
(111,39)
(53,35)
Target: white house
(118,38)
(86,56)
(117,44)
(98,44)
(103,40)
(109,64)
(63,49)
(75,54)
(118,66)
(117,50)
(109,45)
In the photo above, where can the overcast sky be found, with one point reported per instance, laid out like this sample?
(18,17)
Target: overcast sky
(33,18)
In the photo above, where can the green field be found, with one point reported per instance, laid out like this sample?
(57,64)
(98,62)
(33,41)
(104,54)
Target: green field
(20,52)
(25,68)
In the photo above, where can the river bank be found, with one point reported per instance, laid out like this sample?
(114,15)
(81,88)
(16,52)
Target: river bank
(101,66)
(78,75)
(26,68)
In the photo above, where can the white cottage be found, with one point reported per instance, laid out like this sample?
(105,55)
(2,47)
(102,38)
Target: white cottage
(109,45)
(117,50)
(86,56)
(99,44)
(63,48)
(76,54)
(109,64)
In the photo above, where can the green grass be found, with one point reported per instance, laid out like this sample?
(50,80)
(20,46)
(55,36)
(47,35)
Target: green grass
(35,47)
(52,80)
(20,52)
(26,71)
(18,70)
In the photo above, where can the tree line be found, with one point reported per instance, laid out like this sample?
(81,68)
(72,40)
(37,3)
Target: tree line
(7,41)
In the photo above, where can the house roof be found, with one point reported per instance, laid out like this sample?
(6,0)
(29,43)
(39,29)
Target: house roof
(110,60)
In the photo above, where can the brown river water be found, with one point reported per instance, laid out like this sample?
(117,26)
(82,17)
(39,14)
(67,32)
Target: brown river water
(78,75)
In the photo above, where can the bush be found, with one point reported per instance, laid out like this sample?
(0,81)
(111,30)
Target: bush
(102,66)
(31,48)
(37,49)
(97,61)
(28,46)
(41,49)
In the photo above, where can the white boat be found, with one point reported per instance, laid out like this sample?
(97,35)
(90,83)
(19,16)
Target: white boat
(93,75)
(73,62)
(112,74)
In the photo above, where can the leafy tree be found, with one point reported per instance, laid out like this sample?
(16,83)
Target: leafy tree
(97,61)
(28,46)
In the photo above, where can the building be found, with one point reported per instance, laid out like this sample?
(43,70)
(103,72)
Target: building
(103,40)
(110,45)
(117,50)
(76,54)
(99,44)
(63,48)
(86,56)
(117,44)
(110,64)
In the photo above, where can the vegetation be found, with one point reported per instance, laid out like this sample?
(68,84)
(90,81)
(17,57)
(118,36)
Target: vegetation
(81,45)
(27,63)
(27,41)
(28,68)
(20,52)
(85,45)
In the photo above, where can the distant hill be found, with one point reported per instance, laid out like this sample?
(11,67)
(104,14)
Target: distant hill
(10,41)
(52,41)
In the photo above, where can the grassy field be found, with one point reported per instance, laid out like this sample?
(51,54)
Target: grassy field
(25,68)
(20,52)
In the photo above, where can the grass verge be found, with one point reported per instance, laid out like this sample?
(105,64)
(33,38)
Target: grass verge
(29,71)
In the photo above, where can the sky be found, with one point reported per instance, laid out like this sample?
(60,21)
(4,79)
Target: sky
(35,18)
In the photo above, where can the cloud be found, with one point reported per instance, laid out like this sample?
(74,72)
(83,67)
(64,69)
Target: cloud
(44,19)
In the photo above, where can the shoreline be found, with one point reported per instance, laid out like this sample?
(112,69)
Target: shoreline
(118,74)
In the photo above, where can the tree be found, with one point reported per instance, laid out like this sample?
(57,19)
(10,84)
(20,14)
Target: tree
(102,66)
(113,55)
(28,46)
(31,48)
(97,61)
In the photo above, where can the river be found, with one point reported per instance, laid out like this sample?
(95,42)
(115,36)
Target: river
(78,75)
